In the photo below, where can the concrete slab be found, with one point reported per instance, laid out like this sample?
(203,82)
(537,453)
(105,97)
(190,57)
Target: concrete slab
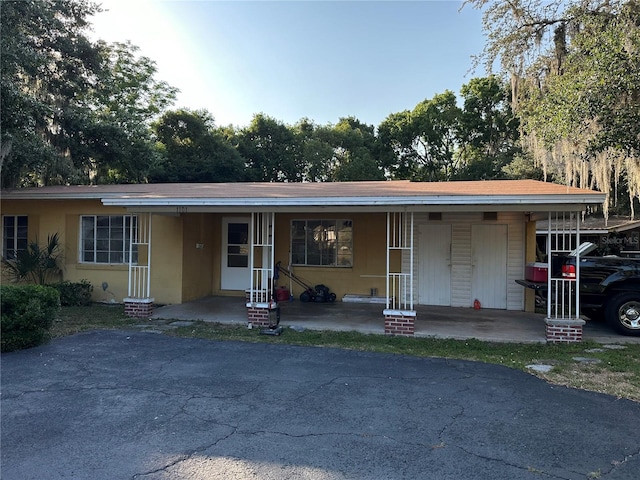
(432,321)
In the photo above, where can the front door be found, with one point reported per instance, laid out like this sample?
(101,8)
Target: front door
(434,253)
(235,268)
(489,265)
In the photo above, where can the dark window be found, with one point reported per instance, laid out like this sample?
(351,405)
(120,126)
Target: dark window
(15,230)
(237,245)
(322,243)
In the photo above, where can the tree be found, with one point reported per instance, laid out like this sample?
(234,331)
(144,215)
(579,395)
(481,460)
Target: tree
(423,140)
(73,111)
(355,152)
(488,135)
(575,70)
(271,150)
(191,150)
(46,61)
(343,152)
(523,166)
(123,105)
(316,150)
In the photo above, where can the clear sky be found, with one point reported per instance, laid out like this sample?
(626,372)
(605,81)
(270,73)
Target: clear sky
(322,60)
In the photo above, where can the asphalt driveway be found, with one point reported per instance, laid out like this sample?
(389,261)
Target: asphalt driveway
(131,405)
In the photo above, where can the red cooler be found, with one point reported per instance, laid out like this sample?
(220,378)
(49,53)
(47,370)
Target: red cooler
(282,294)
(536,272)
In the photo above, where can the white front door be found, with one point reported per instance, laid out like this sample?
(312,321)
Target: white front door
(434,254)
(489,265)
(235,268)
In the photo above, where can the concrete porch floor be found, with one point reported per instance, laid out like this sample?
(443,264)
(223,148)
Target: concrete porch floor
(432,321)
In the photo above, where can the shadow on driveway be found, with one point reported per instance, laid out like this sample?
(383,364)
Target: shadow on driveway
(132,405)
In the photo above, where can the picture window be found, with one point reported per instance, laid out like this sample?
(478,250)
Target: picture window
(322,243)
(106,238)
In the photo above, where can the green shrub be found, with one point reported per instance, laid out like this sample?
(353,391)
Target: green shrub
(74,294)
(37,264)
(27,313)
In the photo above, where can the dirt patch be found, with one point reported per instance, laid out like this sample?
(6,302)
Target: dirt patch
(591,377)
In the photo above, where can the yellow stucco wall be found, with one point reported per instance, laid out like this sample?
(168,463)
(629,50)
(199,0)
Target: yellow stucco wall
(216,253)
(202,270)
(63,217)
(181,270)
(197,255)
(369,255)
(166,259)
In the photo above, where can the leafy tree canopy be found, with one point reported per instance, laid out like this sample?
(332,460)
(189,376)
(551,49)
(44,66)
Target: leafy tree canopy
(191,150)
(574,68)
(271,149)
(46,61)
(73,111)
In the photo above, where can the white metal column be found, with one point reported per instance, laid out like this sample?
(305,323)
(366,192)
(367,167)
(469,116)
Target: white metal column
(563,237)
(139,256)
(399,284)
(261,256)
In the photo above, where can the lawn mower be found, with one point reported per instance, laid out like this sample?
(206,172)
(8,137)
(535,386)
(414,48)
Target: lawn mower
(319,293)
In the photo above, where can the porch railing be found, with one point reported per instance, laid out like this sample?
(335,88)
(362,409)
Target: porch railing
(261,285)
(399,297)
(139,281)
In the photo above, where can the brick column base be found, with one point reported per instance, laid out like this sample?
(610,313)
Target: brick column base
(564,330)
(138,307)
(399,322)
(258,314)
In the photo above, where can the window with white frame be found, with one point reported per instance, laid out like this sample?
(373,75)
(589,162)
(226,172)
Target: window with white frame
(14,235)
(106,238)
(322,243)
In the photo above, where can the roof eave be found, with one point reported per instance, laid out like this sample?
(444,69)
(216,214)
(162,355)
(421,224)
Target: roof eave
(537,200)
(58,196)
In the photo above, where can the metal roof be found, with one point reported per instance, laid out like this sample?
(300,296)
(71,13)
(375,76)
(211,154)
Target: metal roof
(520,193)
(594,225)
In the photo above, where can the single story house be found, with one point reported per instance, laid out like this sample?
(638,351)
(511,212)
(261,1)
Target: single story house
(446,243)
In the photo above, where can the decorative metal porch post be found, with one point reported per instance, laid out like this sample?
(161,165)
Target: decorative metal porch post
(399,314)
(260,302)
(139,303)
(563,322)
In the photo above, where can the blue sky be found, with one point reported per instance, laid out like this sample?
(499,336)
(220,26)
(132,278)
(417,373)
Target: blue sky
(322,60)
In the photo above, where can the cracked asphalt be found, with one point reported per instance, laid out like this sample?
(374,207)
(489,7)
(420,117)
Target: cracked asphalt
(134,405)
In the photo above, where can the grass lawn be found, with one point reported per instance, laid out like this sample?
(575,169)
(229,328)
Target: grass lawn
(617,373)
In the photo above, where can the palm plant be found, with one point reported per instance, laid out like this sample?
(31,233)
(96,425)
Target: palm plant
(36,264)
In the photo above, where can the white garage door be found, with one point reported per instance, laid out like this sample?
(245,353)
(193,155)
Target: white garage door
(434,254)
(489,265)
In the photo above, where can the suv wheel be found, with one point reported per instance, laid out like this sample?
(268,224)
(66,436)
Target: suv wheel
(623,313)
